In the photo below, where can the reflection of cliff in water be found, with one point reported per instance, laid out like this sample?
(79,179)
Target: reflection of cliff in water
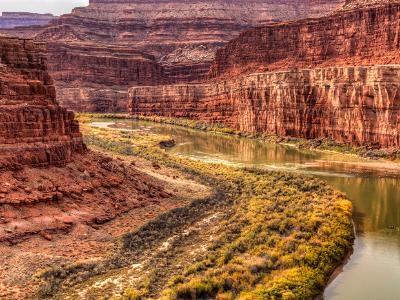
(235,149)
(375,199)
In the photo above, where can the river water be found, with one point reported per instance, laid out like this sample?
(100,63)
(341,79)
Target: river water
(373,270)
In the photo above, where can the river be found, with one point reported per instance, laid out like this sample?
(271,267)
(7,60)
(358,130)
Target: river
(373,269)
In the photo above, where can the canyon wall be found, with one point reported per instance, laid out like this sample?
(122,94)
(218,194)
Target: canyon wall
(16,19)
(95,78)
(182,36)
(354,105)
(334,77)
(364,36)
(34,129)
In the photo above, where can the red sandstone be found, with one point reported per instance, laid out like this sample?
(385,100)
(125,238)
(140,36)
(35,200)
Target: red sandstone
(182,36)
(51,186)
(363,36)
(312,89)
(34,130)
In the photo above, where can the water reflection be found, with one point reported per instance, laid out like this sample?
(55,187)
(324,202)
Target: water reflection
(373,271)
(375,199)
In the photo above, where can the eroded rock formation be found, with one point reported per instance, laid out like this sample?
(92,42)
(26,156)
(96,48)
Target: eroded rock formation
(182,36)
(363,36)
(355,105)
(312,90)
(51,186)
(34,130)
(95,78)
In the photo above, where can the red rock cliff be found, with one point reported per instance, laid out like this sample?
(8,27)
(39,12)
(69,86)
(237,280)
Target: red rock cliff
(313,89)
(364,36)
(182,36)
(34,130)
(355,105)
(97,76)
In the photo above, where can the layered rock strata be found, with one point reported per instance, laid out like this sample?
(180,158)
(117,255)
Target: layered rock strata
(182,36)
(354,105)
(55,195)
(304,80)
(364,36)
(95,78)
(34,129)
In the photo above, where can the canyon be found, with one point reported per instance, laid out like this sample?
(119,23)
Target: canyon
(332,77)
(57,198)
(138,220)
(352,105)
(181,37)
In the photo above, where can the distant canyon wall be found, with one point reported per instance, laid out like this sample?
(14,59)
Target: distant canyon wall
(182,36)
(91,78)
(334,77)
(15,19)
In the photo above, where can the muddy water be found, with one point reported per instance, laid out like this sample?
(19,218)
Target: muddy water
(373,270)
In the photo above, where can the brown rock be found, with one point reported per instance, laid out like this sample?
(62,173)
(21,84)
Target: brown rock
(34,130)
(98,51)
(362,36)
(312,90)
(356,105)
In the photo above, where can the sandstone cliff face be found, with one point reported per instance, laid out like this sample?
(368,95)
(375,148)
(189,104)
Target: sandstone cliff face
(355,105)
(34,130)
(182,36)
(365,36)
(305,83)
(95,78)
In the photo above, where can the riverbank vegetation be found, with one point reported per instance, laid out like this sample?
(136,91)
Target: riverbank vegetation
(263,235)
(315,144)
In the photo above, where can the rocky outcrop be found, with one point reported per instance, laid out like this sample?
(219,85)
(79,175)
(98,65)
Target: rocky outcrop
(352,4)
(354,105)
(181,36)
(16,19)
(53,191)
(365,36)
(34,129)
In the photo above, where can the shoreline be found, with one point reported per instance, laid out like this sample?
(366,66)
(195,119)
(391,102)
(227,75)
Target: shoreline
(366,164)
(339,269)
(240,185)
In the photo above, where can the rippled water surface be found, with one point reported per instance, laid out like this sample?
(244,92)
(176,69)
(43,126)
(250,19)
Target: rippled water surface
(373,270)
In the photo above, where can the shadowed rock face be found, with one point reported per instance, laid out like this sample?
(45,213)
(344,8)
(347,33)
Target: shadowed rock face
(182,37)
(34,130)
(105,71)
(330,99)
